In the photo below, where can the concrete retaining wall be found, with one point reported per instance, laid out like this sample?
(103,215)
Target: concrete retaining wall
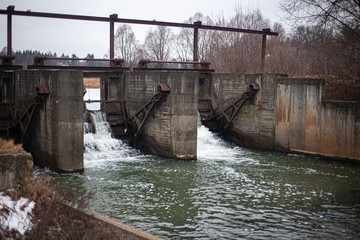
(110,228)
(289,114)
(171,130)
(306,123)
(14,168)
(254,124)
(56,136)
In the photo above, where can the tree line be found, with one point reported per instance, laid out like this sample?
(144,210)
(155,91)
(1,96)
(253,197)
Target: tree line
(324,40)
(26,57)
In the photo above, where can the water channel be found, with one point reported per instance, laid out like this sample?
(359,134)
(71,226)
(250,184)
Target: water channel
(229,192)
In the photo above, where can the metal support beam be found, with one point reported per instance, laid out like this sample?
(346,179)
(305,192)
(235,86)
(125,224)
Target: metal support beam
(112,35)
(114,18)
(196,41)
(134,21)
(263,49)
(10,9)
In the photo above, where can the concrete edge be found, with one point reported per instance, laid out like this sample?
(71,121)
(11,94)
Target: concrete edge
(138,234)
(126,231)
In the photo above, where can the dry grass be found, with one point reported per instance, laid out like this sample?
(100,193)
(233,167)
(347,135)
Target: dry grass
(8,147)
(53,216)
(92,82)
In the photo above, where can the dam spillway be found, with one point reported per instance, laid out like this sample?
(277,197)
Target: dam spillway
(229,192)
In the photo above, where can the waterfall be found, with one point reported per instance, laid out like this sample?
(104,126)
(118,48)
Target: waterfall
(100,146)
(211,146)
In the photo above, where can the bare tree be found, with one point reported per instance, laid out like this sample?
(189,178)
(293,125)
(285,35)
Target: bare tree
(334,26)
(158,43)
(126,45)
(184,41)
(338,14)
(238,52)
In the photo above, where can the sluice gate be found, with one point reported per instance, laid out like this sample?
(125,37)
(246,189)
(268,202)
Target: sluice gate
(226,117)
(222,121)
(117,113)
(136,123)
(277,119)
(18,128)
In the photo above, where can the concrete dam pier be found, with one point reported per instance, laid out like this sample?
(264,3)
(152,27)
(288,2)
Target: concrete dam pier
(45,110)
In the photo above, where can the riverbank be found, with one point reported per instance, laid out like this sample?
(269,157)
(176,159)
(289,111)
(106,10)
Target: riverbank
(33,210)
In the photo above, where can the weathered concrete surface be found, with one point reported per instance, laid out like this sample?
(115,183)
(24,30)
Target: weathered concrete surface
(111,229)
(340,129)
(56,137)
(288,114)
(306,123)
(254,124)
(171,130)
(298,102)
(14,168)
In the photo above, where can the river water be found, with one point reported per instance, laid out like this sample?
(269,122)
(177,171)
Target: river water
(229,192)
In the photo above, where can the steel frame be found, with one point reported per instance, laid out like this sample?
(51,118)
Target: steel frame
(10,11)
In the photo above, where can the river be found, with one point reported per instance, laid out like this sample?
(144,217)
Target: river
(229,192)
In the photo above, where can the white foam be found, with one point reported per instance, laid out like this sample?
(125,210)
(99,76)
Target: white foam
(100,147)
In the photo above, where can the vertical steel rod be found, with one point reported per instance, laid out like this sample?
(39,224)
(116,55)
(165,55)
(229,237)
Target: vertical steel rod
(196,42)
(263,49)
(9,31)
(112,36)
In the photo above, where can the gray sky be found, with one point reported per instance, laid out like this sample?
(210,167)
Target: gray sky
(82,37)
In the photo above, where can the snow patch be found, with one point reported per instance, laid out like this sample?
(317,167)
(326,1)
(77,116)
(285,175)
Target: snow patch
(18,217)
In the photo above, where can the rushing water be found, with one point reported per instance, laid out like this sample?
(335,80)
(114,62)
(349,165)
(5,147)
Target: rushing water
(229,192)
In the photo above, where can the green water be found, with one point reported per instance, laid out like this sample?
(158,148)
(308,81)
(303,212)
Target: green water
(228,193)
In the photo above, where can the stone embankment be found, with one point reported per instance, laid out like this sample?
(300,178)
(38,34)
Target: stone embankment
(15,164)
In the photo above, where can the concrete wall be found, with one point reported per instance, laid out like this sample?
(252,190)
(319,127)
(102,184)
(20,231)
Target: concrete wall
(56,136)
(306,123)
(14,168)
(254,124)
(289,114)
(340,129)
(111,229)
(171,130)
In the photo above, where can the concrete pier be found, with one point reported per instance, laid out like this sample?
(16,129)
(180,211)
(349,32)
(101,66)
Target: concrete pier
(56,136)
(286,114)
(171,131)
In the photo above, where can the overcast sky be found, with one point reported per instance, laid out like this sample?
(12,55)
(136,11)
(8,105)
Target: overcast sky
(82,37)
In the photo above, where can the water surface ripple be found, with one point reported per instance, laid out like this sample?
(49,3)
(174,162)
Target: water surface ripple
(228,193)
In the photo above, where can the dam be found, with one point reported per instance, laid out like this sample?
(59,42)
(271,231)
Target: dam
(211,155)
(229,192)
(284,114)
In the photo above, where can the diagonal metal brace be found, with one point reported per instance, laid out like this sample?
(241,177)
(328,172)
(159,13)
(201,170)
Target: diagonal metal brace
(232,110)
(24,120)
(137,121)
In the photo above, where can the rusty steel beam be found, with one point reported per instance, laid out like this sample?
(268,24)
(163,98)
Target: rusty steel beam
(196,41)
(263,49)
(10,9)
(133,21)
(182,62)
(86,59)
(112,35)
